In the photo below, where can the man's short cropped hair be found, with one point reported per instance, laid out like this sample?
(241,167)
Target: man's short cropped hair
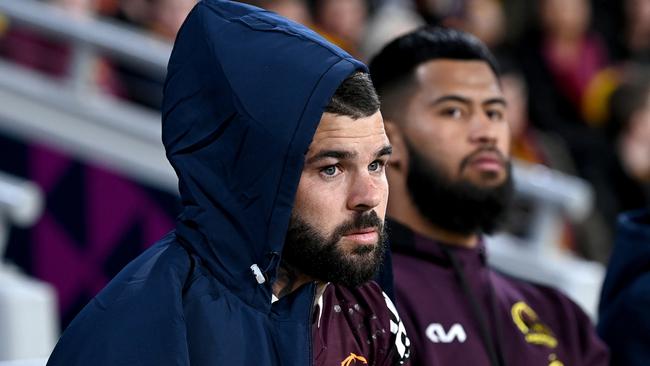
(630,96)
(392,69)
(355,97)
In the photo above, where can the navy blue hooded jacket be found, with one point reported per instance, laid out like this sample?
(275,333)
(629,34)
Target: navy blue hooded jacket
(625,301)
(244,94)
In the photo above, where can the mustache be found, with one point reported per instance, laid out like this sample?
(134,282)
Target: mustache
(365,220)
(489,149)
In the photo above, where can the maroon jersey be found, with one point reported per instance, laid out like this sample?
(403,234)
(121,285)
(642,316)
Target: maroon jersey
(358,326)
(458,311)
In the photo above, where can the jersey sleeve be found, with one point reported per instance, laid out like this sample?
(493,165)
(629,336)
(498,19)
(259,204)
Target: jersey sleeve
(400,344)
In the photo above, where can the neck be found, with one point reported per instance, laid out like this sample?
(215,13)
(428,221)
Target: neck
(289,279)
(402,209)
(423,227)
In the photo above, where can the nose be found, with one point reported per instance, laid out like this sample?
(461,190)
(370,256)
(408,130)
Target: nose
(483,130)
(366,192)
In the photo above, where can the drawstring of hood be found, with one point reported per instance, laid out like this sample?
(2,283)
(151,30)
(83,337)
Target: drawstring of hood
(262,276)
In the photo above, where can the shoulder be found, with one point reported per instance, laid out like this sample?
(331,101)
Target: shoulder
(545,297)
(141,308)
(154,278)
(548,317)
(624,322)
(161,268)
(378,308)
(368,297)
(549,305)
(626,290)
(628,273)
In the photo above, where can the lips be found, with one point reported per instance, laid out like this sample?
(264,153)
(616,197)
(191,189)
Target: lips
(362,231)
(487,160)
(366,236)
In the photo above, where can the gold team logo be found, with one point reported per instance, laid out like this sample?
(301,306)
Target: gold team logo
(352,360)
(535,332)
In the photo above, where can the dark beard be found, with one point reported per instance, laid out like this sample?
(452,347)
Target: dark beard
(460,207)
(321,258)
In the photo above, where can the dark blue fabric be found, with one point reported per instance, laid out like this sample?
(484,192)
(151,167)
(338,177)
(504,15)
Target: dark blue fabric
(624,312)
(244,93)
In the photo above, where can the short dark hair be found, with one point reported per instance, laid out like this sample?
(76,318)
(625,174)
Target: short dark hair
(392,68)
(355,97)
(630,96)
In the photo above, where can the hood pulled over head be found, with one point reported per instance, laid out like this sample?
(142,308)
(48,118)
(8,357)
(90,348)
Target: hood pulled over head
(245,91)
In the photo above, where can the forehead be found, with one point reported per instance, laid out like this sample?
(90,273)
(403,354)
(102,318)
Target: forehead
(338,132)
(469,78)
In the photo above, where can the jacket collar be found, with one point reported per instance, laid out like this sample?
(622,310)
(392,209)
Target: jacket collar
(405,241)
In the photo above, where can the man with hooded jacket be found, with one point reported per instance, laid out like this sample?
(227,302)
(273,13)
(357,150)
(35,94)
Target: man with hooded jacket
(280,150)
(624,321)
(450,183)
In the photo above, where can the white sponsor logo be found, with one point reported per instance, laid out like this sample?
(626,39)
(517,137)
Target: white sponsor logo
(437,334)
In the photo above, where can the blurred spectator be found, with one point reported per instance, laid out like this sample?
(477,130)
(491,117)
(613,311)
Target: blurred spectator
(163,18)
(518,16)
(591,238)
(434,11)
(629,129)
(54,57)
(573,53)
(167,16)
(626,26)
(529,144)
(566,67)
(566,63)
(391,20)
(342,22)
(135,13)
(36,52)
(296,10)
(637,29)
(483,18)
(79,8)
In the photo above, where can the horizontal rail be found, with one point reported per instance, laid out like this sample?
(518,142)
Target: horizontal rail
(116,40)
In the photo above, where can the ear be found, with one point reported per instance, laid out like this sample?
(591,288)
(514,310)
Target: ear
(398,159)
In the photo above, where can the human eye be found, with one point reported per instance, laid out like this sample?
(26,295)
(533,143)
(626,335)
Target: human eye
(330,171)
(495,115)
(377,166)
(451,112)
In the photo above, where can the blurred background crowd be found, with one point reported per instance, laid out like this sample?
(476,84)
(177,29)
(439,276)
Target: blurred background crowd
(576,74)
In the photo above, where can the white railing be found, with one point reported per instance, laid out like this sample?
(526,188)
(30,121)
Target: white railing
(27,306)
(136,47)
(557,197)
(70,114)
(21,204)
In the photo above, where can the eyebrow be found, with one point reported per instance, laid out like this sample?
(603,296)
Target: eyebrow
(497,100)
(343,155)
(336,154)
(460,99)
(386,150)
